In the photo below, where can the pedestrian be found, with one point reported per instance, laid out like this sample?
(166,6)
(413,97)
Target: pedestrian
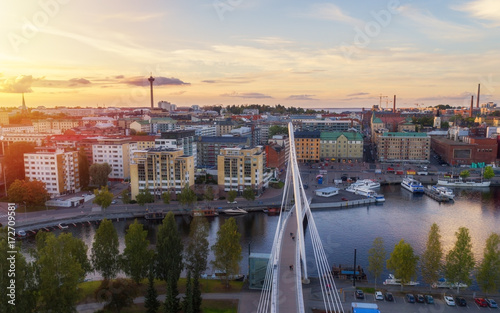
(293,238)
(291,234)
(291,267)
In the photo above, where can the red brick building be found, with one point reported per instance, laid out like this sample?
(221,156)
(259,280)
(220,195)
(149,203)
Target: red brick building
(275,156)
(471,150)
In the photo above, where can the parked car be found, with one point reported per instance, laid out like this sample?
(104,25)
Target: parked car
(359,294)
(429,299)
(491,303)
(389,297)
(481,302)
(379,295)
(460,301)
(449,300)
(420,298)
(410,298)
(113,202)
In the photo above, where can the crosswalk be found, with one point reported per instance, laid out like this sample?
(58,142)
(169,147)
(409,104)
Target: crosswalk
(3,215)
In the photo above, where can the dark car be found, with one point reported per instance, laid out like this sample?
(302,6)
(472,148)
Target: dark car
(460,301)
(429,299)
(410,298)
(420,299)
(481,302)
(360,294)
(389,297)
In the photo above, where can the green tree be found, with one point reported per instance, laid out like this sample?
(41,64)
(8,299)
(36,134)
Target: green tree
(196,257)
(376,258)
(136,256)
(488,172)
(277,130)
(125,196)
(169,260)
(105,252)
(227,250)
(24,281)
(144,196)
(431,259)
(248,194)
(403,262)
(103,197)
(30,193)
(488,273)
(464,174)
(99,173)
(187,303)
(187,196)
(165,196)
(61,264)
(83,167)
(14,160)
(151,302)
(208,195)
(231,195)
(460,260)
(118,294)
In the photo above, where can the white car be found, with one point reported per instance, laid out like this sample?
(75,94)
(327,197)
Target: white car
(449,300)
(232,202)
(379,295)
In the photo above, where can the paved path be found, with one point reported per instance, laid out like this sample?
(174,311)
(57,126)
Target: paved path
(287,275)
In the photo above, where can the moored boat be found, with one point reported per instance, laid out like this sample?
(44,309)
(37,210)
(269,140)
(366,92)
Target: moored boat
(208,212)
(447,192)
(369,193)
(462,183)
(236,211)
(396,281)
(412,185)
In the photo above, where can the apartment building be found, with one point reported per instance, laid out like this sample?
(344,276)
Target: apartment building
(307,145)
(329,125)
(4,118)
(404,147)
(115,152)
(208,148)
(54,167)
(239,168)
(141,126)
(224,127)
(341,146)
(162,124)
(179,139)
(55,125)
(161,170)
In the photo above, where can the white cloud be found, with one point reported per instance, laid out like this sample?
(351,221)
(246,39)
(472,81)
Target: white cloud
(330,11)
(436,28)
(483,9)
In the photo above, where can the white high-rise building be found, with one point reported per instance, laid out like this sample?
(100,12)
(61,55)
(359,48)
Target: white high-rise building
(116,153)
(54,167)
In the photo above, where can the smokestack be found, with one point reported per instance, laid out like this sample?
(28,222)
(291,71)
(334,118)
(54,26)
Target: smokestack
(478,92)
(471,105)
(394,105)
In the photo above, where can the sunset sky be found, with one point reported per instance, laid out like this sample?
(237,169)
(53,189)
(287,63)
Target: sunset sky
(296,53)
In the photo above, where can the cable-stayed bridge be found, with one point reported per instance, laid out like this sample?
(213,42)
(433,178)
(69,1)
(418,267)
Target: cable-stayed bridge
(287,268)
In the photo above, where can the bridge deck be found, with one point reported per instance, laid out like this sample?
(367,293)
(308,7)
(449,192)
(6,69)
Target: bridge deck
(287,281)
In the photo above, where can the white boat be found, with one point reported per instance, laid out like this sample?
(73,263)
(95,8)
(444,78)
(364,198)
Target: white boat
(412,185)
(443,283)
(62,226)
(395,281)
(369,193)
(364,183)
(447,192)
(462,183)
(236,211)
(21,233)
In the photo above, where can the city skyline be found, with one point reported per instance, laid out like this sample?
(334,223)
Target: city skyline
(311,55)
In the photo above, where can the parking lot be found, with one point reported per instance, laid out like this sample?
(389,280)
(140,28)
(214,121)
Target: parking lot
(400,304)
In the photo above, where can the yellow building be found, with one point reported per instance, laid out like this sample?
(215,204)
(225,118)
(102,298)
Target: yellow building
(307,145)
(161,170)
(341,147)
(239,168)
(4,118)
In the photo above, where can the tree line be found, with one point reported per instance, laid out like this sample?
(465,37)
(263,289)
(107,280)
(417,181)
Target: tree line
(50,283)
(456,266)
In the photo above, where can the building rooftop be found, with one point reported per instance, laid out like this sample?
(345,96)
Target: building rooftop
(403,134)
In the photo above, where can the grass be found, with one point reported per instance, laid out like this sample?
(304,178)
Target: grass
(88,288)
(367,289)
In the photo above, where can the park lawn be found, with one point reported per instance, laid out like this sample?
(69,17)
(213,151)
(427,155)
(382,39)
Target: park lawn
(88,288)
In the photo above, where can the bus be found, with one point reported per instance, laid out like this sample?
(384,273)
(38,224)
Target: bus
(359,307)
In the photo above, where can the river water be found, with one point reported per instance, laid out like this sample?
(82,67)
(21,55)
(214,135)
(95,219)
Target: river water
(402,216)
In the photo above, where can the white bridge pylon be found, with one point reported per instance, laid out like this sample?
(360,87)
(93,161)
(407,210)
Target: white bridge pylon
(287,267)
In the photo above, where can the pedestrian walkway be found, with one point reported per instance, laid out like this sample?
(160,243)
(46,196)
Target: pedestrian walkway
(288,267)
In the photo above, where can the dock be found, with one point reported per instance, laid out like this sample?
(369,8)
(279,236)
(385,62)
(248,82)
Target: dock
(436,196)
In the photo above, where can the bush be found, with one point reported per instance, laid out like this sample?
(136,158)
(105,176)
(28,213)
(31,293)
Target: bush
(132,202)
(222,198)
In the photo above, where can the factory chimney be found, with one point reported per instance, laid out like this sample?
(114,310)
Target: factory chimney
(394,105)
(471,105)
(478,92)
